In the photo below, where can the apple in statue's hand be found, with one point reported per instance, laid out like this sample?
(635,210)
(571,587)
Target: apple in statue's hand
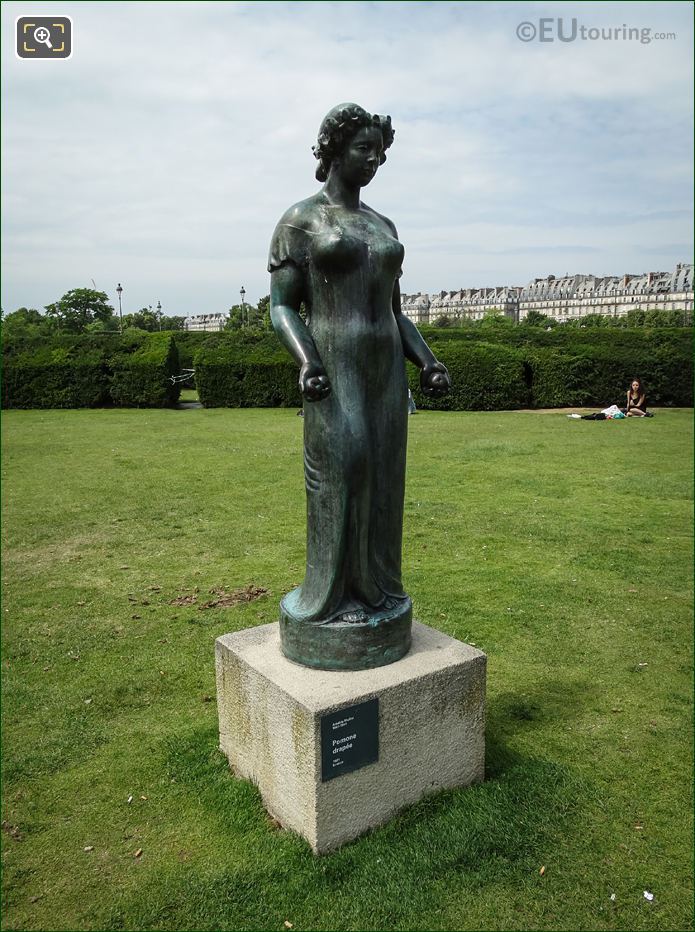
(313,382)
(434,380)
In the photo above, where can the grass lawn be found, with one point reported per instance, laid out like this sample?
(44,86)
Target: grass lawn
(562,548)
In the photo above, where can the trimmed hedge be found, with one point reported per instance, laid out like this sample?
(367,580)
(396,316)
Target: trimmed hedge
(484,376)
(513,367)
(563,336)
(599,376)
(593,366)
(225,378)
(189,342)
(30,384)
(143,379)
(77,372)
(495,367)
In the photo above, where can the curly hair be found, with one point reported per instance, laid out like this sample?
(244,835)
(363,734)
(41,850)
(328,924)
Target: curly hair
(339,126)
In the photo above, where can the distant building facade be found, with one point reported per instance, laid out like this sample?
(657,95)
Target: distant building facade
(563,299)
(209,322)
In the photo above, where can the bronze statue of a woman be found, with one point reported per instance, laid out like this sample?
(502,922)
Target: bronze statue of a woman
(342,259)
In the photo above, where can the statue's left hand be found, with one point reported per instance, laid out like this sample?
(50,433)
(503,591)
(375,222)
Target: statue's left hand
(313,382)
(434,380)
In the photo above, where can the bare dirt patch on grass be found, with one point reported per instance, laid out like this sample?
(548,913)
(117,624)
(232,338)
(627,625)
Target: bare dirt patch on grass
(223,598)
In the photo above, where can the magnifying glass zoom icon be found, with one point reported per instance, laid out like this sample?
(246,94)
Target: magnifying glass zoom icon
(43,35)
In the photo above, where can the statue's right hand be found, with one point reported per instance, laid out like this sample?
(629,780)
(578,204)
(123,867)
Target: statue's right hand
(313,382)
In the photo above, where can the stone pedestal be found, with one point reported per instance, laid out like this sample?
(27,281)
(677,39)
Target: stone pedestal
(337,753)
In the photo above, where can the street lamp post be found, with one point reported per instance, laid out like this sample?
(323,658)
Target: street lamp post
(119,292)
(243,295)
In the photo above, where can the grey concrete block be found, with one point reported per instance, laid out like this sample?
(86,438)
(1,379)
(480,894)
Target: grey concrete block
(431,729)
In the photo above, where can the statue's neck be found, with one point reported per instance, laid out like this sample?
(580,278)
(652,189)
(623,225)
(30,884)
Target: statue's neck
(340,193)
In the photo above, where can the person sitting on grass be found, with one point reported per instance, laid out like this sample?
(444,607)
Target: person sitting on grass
(636,400)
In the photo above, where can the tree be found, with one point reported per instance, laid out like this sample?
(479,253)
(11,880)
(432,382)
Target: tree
(264,313)
(171,323)
(535,319)
(79,307)
(494,320)
(255,318)
(235,320)
(24,324)
(597,320)
(112,325)
(25,315)
(144,319)
(443,321)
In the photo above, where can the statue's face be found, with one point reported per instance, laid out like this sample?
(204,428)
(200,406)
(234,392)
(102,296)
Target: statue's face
(361,157)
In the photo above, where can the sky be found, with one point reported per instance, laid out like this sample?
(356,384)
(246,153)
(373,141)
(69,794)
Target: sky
(163,152)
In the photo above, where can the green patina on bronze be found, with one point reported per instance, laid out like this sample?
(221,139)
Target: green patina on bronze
(342,259)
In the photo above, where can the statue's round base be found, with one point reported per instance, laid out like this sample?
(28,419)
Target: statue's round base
(379,639)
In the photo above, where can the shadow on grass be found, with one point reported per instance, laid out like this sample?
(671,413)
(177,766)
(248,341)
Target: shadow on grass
(544,703)
(483,836)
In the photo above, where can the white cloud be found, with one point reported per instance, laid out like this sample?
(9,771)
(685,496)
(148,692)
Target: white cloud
(164,151)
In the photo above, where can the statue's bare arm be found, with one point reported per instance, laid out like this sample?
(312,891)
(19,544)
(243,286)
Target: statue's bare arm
(434,378)
(286,295)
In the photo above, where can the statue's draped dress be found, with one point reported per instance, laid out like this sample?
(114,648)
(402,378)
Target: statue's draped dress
(355,439)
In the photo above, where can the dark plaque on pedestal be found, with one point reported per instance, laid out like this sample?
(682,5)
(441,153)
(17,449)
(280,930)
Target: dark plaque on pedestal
(349,739)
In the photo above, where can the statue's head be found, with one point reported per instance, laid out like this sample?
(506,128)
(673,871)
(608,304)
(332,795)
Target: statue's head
(338,128)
